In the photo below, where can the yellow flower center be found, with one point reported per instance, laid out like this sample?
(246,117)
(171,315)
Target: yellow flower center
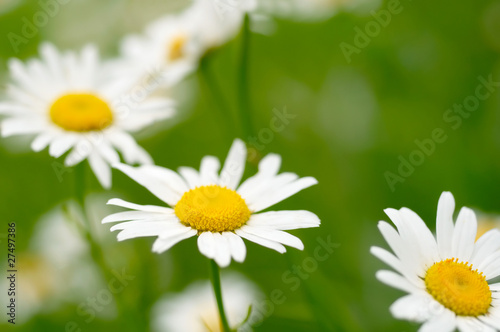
(459,288)
(81,112)
(212,209)
(176,48)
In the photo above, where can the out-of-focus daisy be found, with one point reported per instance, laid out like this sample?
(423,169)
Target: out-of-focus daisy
(486,222)
(215,207)
(195,309)
(446,278)
(54,273)
(174,44)
(73,101)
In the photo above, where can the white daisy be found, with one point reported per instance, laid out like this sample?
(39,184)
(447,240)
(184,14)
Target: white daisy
(195,309)
(215,208)
(174,44)
(75,102)
(446,277)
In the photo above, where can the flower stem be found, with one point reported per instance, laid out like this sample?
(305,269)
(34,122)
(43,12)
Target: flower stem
(86,229)
(220,103)
(218,295)
(243,92)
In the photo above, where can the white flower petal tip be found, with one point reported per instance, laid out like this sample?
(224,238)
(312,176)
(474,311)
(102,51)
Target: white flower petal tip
(427,267)
(230,219)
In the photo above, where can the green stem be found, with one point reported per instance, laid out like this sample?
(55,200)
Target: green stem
(211,84)
(243,91)
(86,229)
(218,295)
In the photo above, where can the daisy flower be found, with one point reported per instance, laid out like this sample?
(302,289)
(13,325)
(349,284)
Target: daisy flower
(447,276)
(73,101)
(215,207)
(174,44)
(195,309)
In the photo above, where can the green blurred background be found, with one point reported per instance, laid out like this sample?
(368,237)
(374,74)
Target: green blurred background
(353,122)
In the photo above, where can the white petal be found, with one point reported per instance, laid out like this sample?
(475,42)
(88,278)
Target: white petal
(164,243)
(284,220)
(236,246)
(128,147)
(464,235)
(263,242)
(234,166)
(491,321)
(140,229)
(22,126)
(495,287)
(42,141)
(107,152)
(490,266)
(209,170)
(191,176)
(274,235)
(61,145)
(268,187)
(11,108)
(472,324)
(147,208)
(222,251)
(445,322)
(206,244)
(395,280)
(80,152)
(53,60)
(135,215)
(101,169)
(268,168)
(168,177)
(485,246)
(410,265)
(422,236)
(387,258)
(444,224)
(413,307)
(159,187)
(283,193)
(22,77)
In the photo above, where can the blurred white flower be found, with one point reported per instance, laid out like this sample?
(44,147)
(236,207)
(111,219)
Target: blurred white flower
(174,44)
(73,101)
(55,269)
(216,208)
(195,309)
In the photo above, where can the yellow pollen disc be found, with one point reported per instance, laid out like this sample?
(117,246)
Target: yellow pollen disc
(212,209)
(81,112)
(459,288)
(176,48)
